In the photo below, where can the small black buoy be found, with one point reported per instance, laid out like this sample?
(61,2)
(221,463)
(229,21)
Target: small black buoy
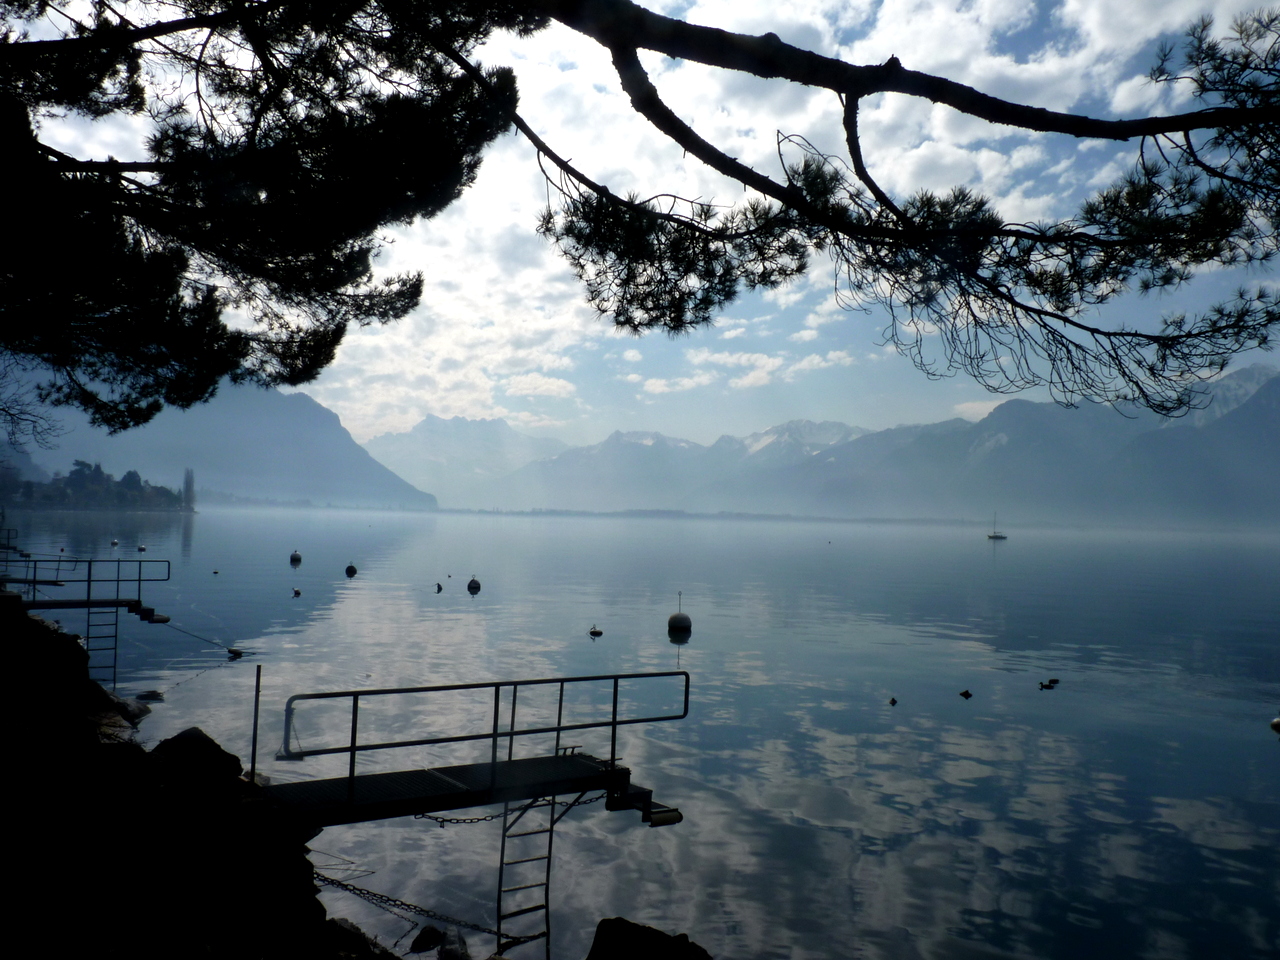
(215,573)
(595,631)
(297,592)
(679,624)
(966,694)
(351,570)
(893,701)
(295,558)
(438,588)
(141,548)
(115,543)
(473,586)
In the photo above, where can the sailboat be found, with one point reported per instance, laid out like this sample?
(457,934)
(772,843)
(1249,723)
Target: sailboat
(995,534)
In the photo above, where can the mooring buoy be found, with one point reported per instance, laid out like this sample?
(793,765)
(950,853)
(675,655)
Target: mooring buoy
(1275,724)
(351,570)
(679,624)
(141,548)
(295,558)
(473,586)
(115,543)
(438,588)
(595,631)
(297,592)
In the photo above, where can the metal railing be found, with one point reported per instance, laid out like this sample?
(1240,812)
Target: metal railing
(496,733)
(63,571)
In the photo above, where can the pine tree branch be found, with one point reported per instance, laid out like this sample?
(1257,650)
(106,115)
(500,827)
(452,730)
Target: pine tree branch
(621,23)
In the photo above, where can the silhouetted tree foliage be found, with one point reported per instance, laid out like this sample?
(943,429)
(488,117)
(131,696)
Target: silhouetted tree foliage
(89,487)
(285,135)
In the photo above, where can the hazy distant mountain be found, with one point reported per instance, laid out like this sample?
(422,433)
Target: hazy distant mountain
(626,471)
(1226,393)
(1040,461)
(449,457)
(1029,461)
(260,444)
(787,443)
(1229,468)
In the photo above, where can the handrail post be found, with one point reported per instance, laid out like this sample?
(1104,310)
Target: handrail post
(351,767)
(497,712)
(613,728)
(253,749)
(511,729)
(559,717)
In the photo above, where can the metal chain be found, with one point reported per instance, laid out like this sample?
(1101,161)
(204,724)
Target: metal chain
(391,904)
(494,816)
(443,820)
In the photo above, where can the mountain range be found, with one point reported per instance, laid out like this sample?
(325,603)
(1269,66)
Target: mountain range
(1030,461)
(1025,459)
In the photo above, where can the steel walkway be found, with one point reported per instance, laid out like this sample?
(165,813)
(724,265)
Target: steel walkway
(380,796)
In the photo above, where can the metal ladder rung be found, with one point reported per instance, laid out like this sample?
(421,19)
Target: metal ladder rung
(517,941)
(512,863)
(525,886)
(521,913)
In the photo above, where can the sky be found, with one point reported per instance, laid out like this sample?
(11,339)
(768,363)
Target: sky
(504,330)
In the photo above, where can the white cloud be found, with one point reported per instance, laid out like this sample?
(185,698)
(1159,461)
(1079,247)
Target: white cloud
(679,384)
(733,334)
(801,336)
(632,356)
(762,365)
(833,358)
(537,385)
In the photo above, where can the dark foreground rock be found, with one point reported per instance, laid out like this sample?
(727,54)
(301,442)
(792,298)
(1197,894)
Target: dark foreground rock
(620,939)
(125,853)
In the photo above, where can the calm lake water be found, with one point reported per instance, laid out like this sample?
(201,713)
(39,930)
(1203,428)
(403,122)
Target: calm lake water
(1133,811)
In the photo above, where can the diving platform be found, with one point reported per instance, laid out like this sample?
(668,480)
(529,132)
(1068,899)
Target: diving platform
(602,702)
